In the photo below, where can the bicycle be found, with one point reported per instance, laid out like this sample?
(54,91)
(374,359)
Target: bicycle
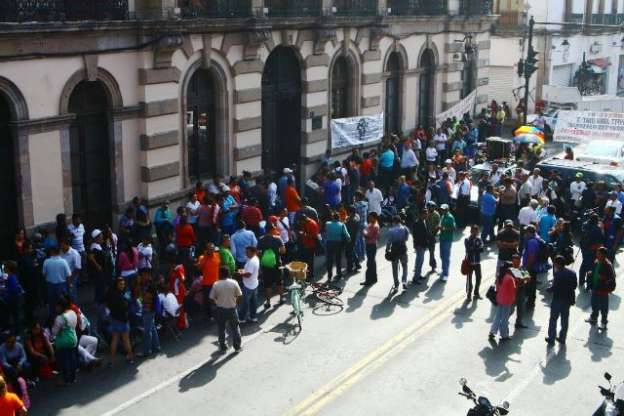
(298,271)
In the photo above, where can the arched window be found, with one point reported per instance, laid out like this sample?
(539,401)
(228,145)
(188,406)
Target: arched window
(201,125)
(426,89)
(392,115)
(340,89)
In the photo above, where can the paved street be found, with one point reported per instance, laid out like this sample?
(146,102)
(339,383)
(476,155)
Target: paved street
(381,356)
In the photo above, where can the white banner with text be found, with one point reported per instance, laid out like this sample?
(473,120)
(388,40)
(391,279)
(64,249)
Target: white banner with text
(582,126)
(458,110)
(354,131)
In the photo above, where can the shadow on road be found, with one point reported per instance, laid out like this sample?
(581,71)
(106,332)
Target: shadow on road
(557,367)
(204,374)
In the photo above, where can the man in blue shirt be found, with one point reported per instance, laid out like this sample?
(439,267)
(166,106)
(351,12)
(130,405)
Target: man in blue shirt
(332,189)
(530,262)
(240,240)
(488,211)
(56,272)
(547,223)
(386,167)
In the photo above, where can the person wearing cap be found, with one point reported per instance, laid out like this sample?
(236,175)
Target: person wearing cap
(447,231)
(396,251)
(563,291)
(452,173)
(577,187)
(282,182)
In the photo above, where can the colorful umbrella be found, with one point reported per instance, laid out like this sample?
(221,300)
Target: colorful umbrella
(529,130)
(529,139)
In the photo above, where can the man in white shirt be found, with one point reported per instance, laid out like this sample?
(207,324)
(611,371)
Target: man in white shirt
(77,231)
(247,308)
(192,207)
(73,259)
(527,215)
(576,189)
(431,154)
(495,175)
(452,173)
(463,199)
(440,140)
(615,203)
(409,161)
(374,198)
(536,182)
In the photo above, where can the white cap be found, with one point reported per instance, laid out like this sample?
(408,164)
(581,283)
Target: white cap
(95,233)
(287,171)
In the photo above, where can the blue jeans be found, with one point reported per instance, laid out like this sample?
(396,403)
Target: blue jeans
(151,341)
(54,291)
(249,304)
(501,321)
(420,259)
(360,246)
(487,227)
(395,269)
(558,309)
(445,255)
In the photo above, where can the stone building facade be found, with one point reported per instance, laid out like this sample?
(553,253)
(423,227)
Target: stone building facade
(143,98)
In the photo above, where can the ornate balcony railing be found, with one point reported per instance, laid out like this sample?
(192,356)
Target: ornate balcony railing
(417,7)
(215,8)
(293,8)
(62,10)
(356,7)
(575,18)
(475,7)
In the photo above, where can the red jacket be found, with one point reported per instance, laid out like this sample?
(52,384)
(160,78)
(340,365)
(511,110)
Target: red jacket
(506,290)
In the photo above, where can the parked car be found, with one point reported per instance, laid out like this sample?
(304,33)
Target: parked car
(609,152)
(592,171)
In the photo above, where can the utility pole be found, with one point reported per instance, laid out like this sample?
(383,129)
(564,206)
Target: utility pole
(527,67)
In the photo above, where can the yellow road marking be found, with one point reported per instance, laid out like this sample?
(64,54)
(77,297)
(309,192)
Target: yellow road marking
(347,379)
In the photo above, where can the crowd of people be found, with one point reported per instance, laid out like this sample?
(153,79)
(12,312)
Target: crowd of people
(210,256)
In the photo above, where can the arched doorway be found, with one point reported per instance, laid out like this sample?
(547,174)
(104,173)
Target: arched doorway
(9,218)
(281,110)
(90,153)
(426,106)
(201,125)
(340,88)
(393,94)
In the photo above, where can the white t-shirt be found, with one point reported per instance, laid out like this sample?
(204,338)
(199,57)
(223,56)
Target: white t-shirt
(536,184)
(73,259)
(431,154)
(283,226)
(375,198)
(527,216)
(192,207)
(77,236)
(576,190)
(272,192)
(170,303)
(440,141)
(616,204)
(145,256)
(252,266)
(408,159)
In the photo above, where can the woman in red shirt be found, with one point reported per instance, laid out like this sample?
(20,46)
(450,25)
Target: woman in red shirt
(505,299)
(176,285)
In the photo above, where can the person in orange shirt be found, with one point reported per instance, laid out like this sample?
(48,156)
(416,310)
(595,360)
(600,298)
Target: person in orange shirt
(208,264)
(308,239)
(200,191)
(292,200)
(10,403)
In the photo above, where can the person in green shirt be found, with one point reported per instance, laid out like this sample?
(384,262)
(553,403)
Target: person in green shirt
(433,224)
(227,259)
(447,229)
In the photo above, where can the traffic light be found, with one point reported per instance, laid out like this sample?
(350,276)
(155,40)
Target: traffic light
(530,65)
(520,67)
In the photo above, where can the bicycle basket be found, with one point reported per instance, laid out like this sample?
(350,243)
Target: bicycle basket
(297,269)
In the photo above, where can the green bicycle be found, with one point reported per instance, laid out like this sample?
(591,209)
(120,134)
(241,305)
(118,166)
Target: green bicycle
(298,271)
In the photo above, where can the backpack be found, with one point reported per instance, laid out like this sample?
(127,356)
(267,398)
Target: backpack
(545,249)
(268,259)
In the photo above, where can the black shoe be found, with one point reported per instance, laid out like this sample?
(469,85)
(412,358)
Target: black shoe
(591,321)
(468,297)
(239,349)
(603,327)
(477,296)
(521,326)
(404,287)
(560,340)
(491,336)
(222,349)
(550,341)
(505,339)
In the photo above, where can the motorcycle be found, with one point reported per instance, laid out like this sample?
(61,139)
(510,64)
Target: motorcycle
(483,406)
(613,403)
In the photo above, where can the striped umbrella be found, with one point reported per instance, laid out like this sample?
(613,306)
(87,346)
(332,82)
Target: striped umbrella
(529,139)
(529,130)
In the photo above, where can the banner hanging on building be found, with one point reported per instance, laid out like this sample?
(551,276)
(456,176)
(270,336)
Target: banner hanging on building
(582,126)
(458,110)
(355,131)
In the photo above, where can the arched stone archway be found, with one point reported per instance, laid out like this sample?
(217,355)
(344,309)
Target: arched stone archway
(205,114)
(17,210)
(281,110)
(426,96)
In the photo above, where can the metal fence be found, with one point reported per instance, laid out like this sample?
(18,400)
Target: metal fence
(62,10)
(215,8)
(417,7)
(290,8)
(475,7)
